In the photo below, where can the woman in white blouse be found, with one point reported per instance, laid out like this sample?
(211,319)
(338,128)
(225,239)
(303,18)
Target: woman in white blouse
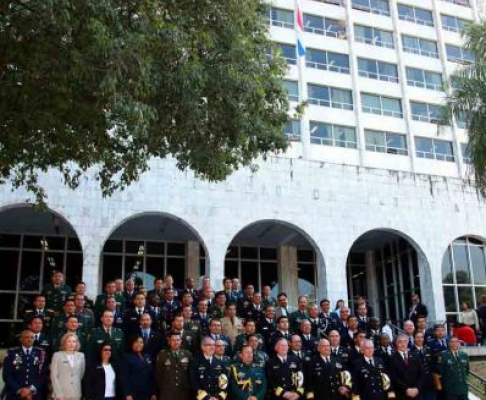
(67,369)
(469,316)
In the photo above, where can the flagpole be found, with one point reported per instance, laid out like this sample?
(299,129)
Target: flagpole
(303,93)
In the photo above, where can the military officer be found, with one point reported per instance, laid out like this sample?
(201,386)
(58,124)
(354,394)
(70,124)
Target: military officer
(39,310)
(281,332)
(59,322)
(85,315)
(267,325)
(107,333)
(71,326)
(454,370)
(218,310)
(325,377)
(190,324)
(298,316)
(319,325)
(25,370)
(168,307)
(370,382)
(207,375)
(259,357)
(41,340)
(56,292)
(100,302)
(337,350)
(202,317)
(131,316)
(172,371)
(247,379)
(249,329)
(220,353)
(189,339)
(267,298)
(421,350)
(285,374)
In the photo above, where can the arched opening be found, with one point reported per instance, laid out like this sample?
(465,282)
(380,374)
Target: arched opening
(33,243)
(277,254)
(385,267)
(463,274)
(151,245)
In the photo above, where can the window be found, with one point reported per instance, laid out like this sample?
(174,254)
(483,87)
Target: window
(464,3)
(335,2)
(415,14)
(425,112)
(330,97)
(333,135)
(373,6)
(380,70)
(434,149)
(282,18)
(466,155)
(461,119)
(288,52)
(373,36)
(327,60)
(292,88)
(458,54)
(385,142)
(453,24)
(427,48)
(424,79)
(463,274)
(325,26)
(381,105)
(292,130)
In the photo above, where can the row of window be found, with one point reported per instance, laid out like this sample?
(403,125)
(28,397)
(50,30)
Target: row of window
(372,5)
(377,141)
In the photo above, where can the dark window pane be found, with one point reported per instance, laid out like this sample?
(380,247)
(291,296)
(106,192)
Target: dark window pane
(202,267)
(8,332)
(461,264)
(74,269)
(478,265)
(267,253)
(9,240)
(157,248)
(249,274)
(447,273)
(7,308)
(132,264)
(112,268)
(33,242)
(232,252)
(25,302)
(249,252)
(176,249)
(177,268)
(307,272)
(450,299)
(52,261)
(269,273)
(231,269)
(74,244)
(113,246)
(30,271)
(202,252)
(155,267)
(134,247)
(465,294)
(55,242)
(305,256)
(9,269)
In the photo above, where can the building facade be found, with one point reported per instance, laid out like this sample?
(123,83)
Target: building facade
(372,198)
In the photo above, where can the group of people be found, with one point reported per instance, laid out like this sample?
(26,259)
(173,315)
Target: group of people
(180,344)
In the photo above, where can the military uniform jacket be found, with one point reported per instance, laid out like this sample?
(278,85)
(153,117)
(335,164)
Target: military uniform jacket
(296,318)
(242,339)
(21,371)
(368,380)
(246,381)
(168,309)
(45,343)
(285,377)
(426,359)
(454,372)
(203,323)
(266,328)
(323,379)
(117,340)
(56,296)
(208,379)
(47,316)
(342,354)
(172,375)
(100,304)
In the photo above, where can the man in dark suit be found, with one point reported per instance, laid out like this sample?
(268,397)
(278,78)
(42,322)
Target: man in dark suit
(25,370)
(129,293)
(131,317)
(417,308)
(309,341)
(406,372)
(267,325)
(202,317)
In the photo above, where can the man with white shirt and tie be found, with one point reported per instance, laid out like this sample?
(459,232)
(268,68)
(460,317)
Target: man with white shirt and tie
(285,375)
(282,306)
(132,316)
(339,351)
(106,333)
(308,340)
(41,340)
(325,377)
(25,370)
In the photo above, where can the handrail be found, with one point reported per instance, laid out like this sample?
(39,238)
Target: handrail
(476,388)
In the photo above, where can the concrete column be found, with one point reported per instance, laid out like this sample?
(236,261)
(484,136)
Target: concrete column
(371,280)
(216,254)
(287,272)
(431,292)
(92,266)
(193,267)
(321,288)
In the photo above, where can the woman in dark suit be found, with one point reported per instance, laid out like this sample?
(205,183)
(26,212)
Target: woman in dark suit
(101,378)
(137,373)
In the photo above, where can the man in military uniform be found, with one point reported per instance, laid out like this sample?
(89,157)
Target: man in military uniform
(190,341)
(454,370)
(39,310)
(308,339)
(207,375)
(59,322)
(84,315)
(246,299)
(327,319)
(220,353)
(190,324)
(71,326)
(267,325)
(285,374)
(202,317)
(298,316)
(325,377)
(172,367)
(337,350)
(100,302)
(255,309)
(131,316)
(267,299)
(25,370)
(231,297)
(422,351)
(249,329)
(281,332)
(106,333)
(56,292)
(247,379)
(384,349)
(370,381)
(259,356)
(218,310)
(319,326)
(168,307)
(41,340)
(112,305)
(297,350)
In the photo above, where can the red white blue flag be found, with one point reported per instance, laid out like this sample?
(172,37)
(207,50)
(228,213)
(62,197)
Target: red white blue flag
(299,28)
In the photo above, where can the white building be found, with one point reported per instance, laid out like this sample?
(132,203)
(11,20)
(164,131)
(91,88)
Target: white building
(372,198)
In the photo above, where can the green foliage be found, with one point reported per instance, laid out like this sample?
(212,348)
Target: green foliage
(114,83)
(468,96)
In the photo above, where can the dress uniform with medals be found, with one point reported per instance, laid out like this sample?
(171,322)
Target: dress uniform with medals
(25,368)
(454,370)
(208,378)
(56,296)
(323,378)
(342,354)
(370,381)
(285,376)
(247,380)
(172,376)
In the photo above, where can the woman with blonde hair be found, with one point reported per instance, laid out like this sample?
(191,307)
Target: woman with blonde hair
(67,369)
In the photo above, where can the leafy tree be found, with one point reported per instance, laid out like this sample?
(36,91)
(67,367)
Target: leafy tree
(114,83)
(468,98)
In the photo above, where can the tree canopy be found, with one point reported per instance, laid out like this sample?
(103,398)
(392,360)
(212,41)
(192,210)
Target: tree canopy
(114,83)
(468,100)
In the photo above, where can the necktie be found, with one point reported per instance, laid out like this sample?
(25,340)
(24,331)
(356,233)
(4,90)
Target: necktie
(36,337)
(405,359)
(284,360)
(145,336)
(371,362)
(27,352)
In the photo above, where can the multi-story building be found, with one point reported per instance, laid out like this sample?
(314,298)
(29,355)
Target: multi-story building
(373,197)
